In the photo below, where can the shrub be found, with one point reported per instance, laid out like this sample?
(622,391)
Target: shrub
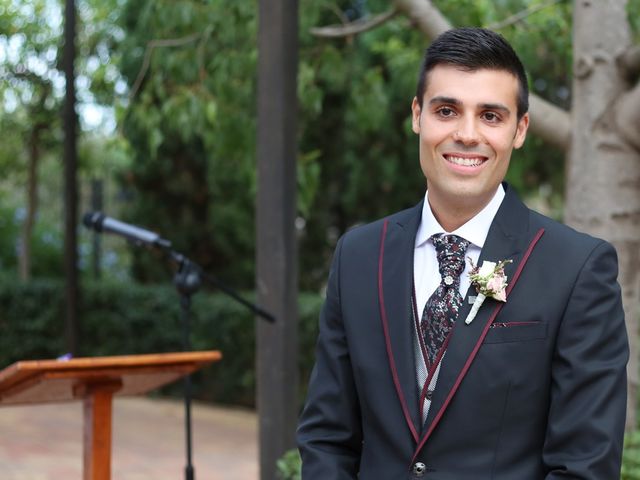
(289,466)
(631,457)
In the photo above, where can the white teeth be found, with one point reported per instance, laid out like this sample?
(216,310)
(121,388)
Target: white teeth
(465,162)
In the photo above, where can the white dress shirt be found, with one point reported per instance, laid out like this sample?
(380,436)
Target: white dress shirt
(426,275)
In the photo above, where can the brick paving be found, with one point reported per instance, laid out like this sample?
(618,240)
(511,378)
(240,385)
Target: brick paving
(44,442)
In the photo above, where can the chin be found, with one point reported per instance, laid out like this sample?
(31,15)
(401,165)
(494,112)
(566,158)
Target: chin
(467,195)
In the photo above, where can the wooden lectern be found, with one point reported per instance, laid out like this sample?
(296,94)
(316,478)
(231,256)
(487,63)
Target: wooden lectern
(96,381)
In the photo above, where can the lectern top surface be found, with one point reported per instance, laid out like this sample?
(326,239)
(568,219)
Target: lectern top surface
(38,381)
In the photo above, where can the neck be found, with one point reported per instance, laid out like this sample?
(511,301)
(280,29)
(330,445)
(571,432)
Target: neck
(451,217)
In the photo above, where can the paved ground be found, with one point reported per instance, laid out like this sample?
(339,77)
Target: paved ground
(44,442)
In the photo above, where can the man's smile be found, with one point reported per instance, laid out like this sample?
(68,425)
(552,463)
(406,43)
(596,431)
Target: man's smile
(465,160)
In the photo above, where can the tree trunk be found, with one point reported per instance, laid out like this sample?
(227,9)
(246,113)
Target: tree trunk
(24,259)
(70,125)
(603,174)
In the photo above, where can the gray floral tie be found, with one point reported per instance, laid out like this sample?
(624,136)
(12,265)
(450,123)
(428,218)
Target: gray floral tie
(442,308)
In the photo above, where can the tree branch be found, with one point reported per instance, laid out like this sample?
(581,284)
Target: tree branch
(425,16)
(550,122)
(630,61)
(628,116)
(353,28)
(521,15)
(169,42)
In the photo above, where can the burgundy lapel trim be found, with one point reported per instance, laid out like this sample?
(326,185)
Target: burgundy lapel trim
(473,353)
(524,261)
(387,338)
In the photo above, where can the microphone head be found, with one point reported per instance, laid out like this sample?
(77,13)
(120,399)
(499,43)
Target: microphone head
(93,220)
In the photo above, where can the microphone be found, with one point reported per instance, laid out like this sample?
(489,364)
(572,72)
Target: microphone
(99,222)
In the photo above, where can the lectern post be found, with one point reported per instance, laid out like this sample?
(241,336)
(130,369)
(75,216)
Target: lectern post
(96,438)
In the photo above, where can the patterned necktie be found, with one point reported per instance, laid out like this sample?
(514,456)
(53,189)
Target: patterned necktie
(441,309)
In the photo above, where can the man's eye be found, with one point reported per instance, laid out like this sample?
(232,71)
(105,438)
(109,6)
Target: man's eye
(491,117)
(445,112)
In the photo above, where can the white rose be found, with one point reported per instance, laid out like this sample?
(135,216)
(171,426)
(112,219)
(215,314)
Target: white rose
(487,269)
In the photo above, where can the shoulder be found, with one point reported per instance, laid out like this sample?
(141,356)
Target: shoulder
(565,239)
(559,239)
(570,253)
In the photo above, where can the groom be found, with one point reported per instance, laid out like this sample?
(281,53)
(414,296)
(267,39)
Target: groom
(407,384)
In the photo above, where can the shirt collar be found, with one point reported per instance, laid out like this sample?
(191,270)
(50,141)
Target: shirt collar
(475,230)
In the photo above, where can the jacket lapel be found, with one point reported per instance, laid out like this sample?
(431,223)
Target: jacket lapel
(395,275)
(508,238)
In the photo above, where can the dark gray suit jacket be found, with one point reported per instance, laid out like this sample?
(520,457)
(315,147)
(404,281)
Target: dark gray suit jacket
(534,388)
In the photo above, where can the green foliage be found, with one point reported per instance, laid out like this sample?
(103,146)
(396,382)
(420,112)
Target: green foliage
(355,95)
(120,319)
(46,243)
(28,72)
(181,76)
(633,14)
(186,161)
(289,466)
(631,457)
(30,324)
(31,93)
(9,232)
(191,129)
(189,120)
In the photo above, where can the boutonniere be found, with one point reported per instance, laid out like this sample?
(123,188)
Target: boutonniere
(489,281)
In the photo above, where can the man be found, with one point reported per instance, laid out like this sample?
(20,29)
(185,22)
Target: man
(408,384)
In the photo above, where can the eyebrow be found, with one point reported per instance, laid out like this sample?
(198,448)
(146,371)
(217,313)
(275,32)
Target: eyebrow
(441,99)
(455,101)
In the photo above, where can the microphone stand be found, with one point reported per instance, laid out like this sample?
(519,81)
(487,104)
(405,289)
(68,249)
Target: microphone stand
(187,280)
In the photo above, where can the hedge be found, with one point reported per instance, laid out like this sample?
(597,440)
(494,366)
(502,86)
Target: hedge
(126,318)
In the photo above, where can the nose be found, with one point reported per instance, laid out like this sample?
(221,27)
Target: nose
(467,132)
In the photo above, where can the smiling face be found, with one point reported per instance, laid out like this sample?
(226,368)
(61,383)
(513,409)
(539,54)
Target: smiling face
(468,127)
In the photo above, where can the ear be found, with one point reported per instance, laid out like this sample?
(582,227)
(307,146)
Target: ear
(521,131)
(415,115)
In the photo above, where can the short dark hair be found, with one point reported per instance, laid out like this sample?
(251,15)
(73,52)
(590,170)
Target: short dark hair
(473,49)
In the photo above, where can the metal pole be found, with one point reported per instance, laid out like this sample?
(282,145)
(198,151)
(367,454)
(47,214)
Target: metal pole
(185,303)
(187,281)
(96,206)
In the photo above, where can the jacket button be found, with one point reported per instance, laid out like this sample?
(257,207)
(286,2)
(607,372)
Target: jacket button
(419,468)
